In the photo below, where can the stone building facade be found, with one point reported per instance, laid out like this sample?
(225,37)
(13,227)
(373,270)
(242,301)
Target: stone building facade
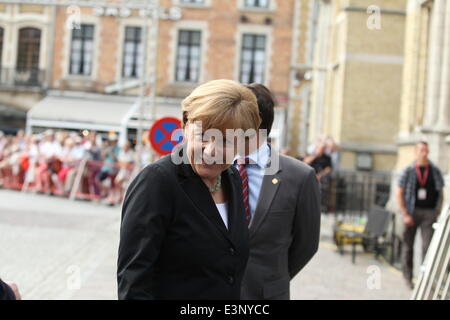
(356,80)
(25,53)
(425,108)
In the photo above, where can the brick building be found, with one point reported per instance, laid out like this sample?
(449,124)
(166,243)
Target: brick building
(93,52)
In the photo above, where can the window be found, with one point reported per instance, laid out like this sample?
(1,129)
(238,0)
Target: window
(253,58)
(188,56)
(27,64)
(81,52)
(132,53)
(28,49)
(257,3)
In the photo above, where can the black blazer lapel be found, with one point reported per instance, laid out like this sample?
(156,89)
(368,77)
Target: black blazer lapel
(196,190)
(235,204)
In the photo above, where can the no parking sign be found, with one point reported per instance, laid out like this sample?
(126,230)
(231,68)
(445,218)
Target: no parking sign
(165,134)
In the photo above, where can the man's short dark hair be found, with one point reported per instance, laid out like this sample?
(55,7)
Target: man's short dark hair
(266,104)
(422,142)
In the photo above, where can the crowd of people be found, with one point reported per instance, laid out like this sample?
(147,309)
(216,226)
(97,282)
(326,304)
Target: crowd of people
(66,163)
(49,162)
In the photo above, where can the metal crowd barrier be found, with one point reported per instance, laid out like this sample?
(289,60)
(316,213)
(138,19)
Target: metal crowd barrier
(353,194)
(434,278)
(82,187)
(86,169)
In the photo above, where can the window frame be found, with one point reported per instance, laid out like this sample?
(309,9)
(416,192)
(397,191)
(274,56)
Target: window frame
(25,48)
(271,7)
(189,46)
(82,51)
(137,56)
(254,49)
(247,5)
(194,5)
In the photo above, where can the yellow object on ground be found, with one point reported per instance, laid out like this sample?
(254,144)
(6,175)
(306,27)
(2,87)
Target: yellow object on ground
(340,234)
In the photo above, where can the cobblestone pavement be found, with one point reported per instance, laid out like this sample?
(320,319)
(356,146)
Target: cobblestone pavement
(330,276)
(55,248)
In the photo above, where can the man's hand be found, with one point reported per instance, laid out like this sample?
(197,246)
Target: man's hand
(15,289)
(408,220)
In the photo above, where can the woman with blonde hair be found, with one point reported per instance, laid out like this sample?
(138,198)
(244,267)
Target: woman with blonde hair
(183,232)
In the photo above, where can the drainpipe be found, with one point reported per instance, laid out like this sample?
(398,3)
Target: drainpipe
(50,47)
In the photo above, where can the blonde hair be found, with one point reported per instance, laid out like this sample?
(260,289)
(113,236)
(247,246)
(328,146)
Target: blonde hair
(219,103)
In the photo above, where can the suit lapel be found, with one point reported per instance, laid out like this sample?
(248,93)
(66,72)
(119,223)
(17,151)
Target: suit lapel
(196,190)
(269,188)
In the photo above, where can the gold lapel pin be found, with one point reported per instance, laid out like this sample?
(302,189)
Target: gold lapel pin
(274,180)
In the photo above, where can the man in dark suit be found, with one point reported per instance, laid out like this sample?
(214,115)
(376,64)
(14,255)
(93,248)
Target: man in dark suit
(284,209)
(9,291)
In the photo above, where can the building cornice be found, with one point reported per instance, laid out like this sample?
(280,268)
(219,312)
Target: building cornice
(119,4)
(383,11)
(369,147)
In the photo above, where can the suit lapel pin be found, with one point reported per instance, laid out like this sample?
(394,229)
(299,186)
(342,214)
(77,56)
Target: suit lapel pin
(274,180)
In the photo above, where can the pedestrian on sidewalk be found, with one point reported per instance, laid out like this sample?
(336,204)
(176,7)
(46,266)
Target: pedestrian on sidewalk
(420,197)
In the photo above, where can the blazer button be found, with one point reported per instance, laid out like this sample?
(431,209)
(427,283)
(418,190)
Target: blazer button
(232,251)
(230,279)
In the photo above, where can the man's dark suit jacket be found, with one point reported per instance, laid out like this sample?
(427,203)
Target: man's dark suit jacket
(6,292)
(173,242)
(284,231)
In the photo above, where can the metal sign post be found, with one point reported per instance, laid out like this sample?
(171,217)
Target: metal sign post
(434,278)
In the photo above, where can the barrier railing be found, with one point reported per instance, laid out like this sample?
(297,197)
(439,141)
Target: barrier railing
(434,278)
(353,194)
(81,179)
(89,179)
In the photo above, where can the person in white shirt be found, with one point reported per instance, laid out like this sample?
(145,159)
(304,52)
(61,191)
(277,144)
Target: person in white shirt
(49,150)
(77,153)
(125,160)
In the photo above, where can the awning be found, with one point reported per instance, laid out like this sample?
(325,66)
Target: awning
(164,107)
(92,112)
(11,119)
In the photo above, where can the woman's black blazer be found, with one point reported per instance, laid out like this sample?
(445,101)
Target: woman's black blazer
(173,242)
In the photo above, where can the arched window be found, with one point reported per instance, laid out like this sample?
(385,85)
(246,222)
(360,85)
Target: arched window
(27,66)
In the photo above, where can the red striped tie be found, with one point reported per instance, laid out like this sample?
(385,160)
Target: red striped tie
(245,189)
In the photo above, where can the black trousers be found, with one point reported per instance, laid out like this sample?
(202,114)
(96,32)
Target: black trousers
(423,219)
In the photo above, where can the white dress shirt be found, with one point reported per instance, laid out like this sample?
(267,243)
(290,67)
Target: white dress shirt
(223,210)
(255,172)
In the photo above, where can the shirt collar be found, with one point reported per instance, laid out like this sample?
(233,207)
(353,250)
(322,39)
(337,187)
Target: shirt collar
(261,156)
